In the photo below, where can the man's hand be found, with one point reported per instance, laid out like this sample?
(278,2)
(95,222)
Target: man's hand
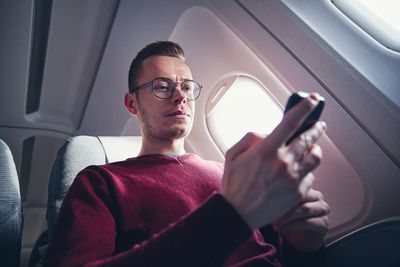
(263,179)
(305,226)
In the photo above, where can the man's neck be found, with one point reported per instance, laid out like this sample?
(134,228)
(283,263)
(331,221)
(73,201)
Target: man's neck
(163,147)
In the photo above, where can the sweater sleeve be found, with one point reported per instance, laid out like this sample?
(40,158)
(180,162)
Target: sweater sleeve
(85,232)
(290,256)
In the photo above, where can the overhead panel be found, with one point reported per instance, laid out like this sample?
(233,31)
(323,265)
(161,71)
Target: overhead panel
(40,32)
(78,31)
(15,32)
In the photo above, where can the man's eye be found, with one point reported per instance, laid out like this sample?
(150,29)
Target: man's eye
(187,88)
(161,87)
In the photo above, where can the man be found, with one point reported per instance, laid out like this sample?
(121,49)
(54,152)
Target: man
(171,208)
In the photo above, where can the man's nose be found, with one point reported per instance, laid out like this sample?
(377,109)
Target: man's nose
(179,96)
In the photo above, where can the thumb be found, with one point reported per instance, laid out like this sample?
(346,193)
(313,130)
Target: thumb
(249,140)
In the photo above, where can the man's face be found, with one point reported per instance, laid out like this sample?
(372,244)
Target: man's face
(170,118)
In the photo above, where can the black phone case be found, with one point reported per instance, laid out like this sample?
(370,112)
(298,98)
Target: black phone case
(311,119)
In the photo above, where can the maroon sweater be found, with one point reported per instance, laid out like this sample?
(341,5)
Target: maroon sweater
(156,210)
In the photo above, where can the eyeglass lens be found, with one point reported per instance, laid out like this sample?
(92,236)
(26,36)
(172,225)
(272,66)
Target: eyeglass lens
(164,88)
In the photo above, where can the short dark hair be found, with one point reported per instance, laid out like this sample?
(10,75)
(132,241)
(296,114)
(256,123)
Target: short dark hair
(159,48)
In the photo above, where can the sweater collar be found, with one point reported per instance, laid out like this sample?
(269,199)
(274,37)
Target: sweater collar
(166,157)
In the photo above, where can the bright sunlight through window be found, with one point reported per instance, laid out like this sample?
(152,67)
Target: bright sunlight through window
(379,18)
(240,106)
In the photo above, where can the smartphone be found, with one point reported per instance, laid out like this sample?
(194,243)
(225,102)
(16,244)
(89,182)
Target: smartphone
(311,119)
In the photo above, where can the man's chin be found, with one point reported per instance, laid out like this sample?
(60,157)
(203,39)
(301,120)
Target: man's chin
(179,132)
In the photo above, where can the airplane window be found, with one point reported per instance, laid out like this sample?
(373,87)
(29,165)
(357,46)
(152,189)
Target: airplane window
(240,106)
(378,18)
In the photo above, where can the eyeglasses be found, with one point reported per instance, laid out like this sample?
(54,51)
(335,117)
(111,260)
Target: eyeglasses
(164,88)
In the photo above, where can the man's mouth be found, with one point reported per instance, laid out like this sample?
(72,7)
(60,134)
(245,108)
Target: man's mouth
(178,113)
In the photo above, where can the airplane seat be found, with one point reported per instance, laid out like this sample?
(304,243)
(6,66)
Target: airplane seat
(76,154)
(373,245)
(11,218)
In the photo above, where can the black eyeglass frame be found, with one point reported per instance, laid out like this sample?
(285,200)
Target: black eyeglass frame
(173,88)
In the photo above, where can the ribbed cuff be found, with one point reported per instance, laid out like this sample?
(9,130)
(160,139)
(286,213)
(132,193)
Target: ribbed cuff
(294,257)
(225,228)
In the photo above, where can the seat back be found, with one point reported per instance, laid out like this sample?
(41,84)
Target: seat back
(374,245)
(76,154)
(10,210)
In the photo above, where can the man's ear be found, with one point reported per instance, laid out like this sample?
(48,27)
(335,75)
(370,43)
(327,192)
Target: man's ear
(130,103)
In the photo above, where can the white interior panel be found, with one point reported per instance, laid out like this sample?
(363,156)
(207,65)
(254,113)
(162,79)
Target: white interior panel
(352,138)
(228,55)
(361,74)
(222,55)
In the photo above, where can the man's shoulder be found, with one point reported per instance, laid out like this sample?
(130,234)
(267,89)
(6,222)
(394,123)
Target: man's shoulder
(108,177)
(103,170)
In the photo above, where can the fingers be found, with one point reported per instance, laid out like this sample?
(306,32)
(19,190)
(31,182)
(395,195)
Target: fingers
(308,212)
(249,140)
(306,141)
(310,161)
(290,123)
(313,195)
(305,185)
(306,156)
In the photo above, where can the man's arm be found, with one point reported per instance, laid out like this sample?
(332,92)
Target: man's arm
(305,226)
(86,232)
(264,180)
(299,234)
